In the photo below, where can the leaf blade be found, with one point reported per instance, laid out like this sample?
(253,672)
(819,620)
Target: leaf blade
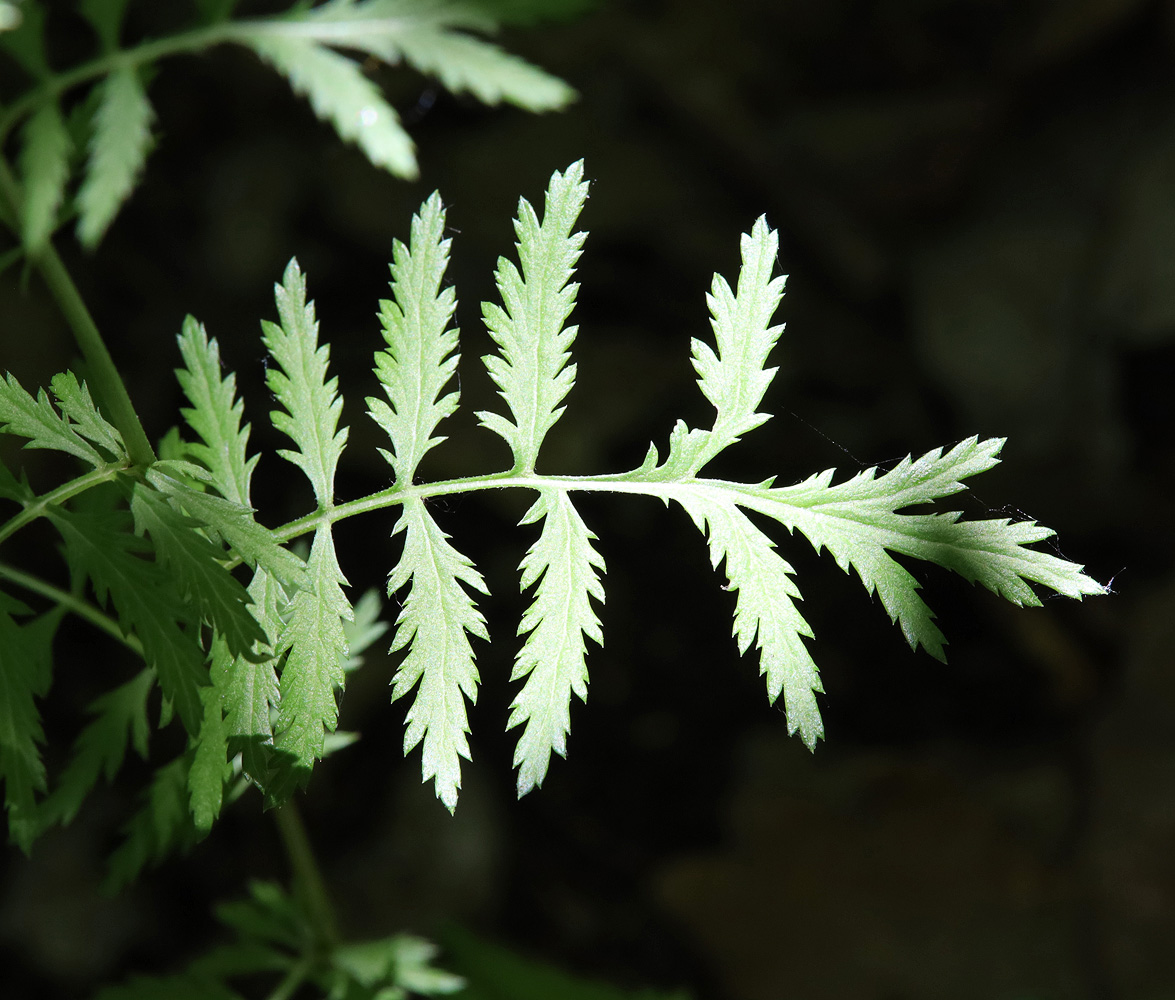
(532,368)
(435,622)
(118,149)
(420,358)
(564,564)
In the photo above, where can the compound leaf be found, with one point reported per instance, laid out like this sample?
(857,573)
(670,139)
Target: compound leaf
(36,420)
(25,670)
(215,415)
(733,378)
(532,369)
(464,63)
(76,405)
(765,612)
(118,149)
(195,563)
(44,170)
(233,523)
(564,564)
(120,717)
(103,548)
(316,651)
(340,94)
(420,358)
(299,381)
(435,622)
(858,521)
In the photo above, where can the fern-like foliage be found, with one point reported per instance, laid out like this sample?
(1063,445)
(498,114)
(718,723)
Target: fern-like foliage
(312,47)
(250,644)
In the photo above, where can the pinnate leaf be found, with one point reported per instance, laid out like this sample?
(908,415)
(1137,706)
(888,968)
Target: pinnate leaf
(564,564)
(420,358)
(532,368)
(435,622)
(25,670)
(215,415)
(36,420)
(195,563)
(316,651)
(119,144)
(340,94)
(765,613)
(860,523)
(733,377)
(103,548)
(44,170)
(311,401)
(120,717)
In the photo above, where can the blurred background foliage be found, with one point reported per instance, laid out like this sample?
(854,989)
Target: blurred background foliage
(977,207)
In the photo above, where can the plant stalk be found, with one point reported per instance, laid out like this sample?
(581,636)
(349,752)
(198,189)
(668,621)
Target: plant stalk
(309,886)
(104,379)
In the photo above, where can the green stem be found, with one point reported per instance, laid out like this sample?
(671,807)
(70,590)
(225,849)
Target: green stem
(104,379)
(105,382)
(308,882)
(54,498)
(72,603)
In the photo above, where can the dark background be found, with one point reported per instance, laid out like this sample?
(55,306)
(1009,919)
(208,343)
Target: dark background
(976,202)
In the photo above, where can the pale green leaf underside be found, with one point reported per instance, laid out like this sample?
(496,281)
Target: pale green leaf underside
(532,369)
(214,414)
(118,149)
(765,613)
(420,358)
(299,380)
(315,645)
(564,564)
(423,36)
(340,94)
(435,622)
(44,170)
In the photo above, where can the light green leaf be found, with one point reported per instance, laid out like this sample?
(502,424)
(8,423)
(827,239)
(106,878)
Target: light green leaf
(300,383)
(420,358)
(26,665)
(734,378)
(340,94)
(316,649)
(120,717)
(215,415)
(422,35)
(233,523)
(858,522)
(195,563)
(210,765)
(765,613)
(464,63)
(75,404)
(103,548)
(44,170)
(435,622)
(564,564)
(36,420)
(251,688)
(118,150)
(532,370)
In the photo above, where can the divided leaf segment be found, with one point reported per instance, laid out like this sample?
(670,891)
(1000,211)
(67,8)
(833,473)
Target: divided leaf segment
(254,672)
